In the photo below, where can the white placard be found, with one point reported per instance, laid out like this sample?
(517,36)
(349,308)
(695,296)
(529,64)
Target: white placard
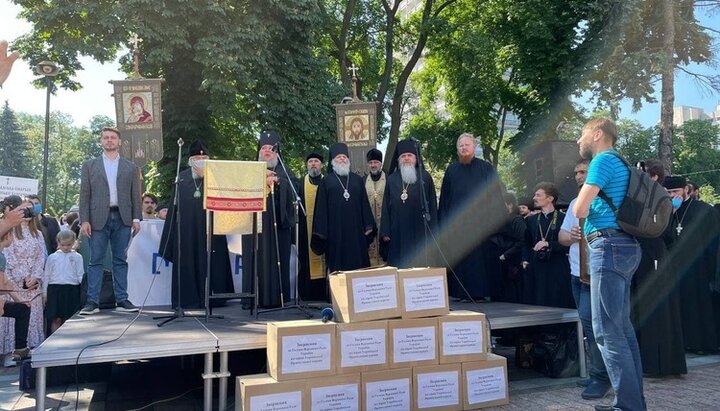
(438,389)
(363,347)
(424,293)
(303,353)
(17,186)
(414,344)
(462,337)
(388,395)
(284,401)
(335,398)
(374,293)
(486,385)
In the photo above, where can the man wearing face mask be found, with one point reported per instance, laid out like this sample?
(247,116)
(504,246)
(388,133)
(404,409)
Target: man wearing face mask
(695,240)
(48,224)
(191,259)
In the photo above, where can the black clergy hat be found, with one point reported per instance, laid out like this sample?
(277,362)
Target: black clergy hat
(197,148)
(672,182)
(314,155)
(527,202)
(268,138)
(337,149)
(402,147)
(374,154)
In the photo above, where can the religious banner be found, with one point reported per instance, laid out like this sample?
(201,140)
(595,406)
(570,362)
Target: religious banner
(138,110)
(234,190)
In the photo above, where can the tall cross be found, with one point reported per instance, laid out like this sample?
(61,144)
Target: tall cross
(354,70)
(135,41)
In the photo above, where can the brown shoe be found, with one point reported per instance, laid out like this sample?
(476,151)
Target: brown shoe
(21,354)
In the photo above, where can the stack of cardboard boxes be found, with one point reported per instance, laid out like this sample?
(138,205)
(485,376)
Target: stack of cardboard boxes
(395,346)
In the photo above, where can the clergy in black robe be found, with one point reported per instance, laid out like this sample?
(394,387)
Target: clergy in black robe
(471,210)
(313,276)
(403,230)
(694,253)
(274,242)
(375,182)
(190,260)
(343,224)
(543,254)
(510,241)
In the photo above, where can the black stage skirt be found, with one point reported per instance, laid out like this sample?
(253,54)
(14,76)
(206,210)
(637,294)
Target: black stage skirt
(63,301)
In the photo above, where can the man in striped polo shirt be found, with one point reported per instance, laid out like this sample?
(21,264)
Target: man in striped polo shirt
(613,257)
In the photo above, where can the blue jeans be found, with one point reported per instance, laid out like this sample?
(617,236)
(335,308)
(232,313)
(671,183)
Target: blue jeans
(613,260)
(581,293)
(118,235)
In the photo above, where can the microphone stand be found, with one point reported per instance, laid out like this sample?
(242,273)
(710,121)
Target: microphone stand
(425,206)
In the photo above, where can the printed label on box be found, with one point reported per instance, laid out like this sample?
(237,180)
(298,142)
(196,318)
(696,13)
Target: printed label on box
(425,293)
(284,401)
(462,337)
(438,389)
(486,385)
(374,293)
(388,395)
(303,353)
(363,347)
(413,344)
(335,398)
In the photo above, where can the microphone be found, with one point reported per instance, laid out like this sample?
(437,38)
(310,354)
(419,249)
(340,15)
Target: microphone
(327,314)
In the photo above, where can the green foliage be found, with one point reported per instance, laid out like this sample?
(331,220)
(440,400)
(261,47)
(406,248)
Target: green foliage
(635,142)
(709,195)
(13,146)
(697,152)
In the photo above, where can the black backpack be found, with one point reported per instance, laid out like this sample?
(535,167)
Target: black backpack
(647,208)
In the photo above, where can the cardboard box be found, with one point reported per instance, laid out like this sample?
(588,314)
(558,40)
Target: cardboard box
(413,342)
(437,388)
(365,295)
(362,347)
(262,392)
(300,349)
(340,392)
(423,292)
(388,390)
(485,383)
(463,336)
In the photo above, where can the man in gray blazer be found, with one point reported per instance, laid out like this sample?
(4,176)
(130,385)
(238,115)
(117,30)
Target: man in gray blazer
(110,212)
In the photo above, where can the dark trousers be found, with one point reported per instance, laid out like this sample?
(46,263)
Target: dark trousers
(21,314)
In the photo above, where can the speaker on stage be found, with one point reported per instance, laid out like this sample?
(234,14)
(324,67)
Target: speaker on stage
(553,161)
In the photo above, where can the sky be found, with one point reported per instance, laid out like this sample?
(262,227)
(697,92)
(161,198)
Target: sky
(95,96)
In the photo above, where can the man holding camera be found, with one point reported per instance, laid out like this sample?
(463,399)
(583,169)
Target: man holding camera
(544,255)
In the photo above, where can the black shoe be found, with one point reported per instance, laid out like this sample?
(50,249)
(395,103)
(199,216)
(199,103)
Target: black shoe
(90,308)
(583,382)
(126,306)
(595,390)
(604,407)
(21,354)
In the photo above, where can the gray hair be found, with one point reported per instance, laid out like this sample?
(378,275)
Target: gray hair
(467,135)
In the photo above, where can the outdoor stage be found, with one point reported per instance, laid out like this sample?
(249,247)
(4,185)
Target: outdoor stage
(236,332)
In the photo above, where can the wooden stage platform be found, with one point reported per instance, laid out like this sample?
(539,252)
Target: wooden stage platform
(238,330)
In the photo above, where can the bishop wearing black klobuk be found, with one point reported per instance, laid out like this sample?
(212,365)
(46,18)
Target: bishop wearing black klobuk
(694,253)
(403,231)
(312,273)
(278,221)
(191,259)
(343,224)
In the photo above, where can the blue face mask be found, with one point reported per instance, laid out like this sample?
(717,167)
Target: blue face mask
(676,202)
(37,208)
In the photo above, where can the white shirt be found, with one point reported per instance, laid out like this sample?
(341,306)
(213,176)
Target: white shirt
(63,268)
(567,225)
(111,171)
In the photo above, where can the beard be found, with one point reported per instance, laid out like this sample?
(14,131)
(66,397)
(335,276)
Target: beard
(341,169)
(271,163)
(465,159)
(376,172)
(408,174)
(313,172)
(586,153)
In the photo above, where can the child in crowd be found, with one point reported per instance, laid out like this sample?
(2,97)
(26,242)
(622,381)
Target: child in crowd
(61,284)
(16,309)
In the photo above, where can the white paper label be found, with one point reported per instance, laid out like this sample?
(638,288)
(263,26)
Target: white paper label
(414,344)
(438,389)
(303,353)
(335,398)
(462,337)
(486,385)
(390,395)
(284,401)
(374,293)
(425,293)
(363,347)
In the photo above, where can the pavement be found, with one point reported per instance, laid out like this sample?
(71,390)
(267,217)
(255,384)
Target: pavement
(145,384)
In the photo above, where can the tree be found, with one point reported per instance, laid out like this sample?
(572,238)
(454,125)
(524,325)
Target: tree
(13,146)
(635,142)
(697,152)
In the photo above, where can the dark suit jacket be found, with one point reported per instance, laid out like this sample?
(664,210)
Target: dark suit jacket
(95,194)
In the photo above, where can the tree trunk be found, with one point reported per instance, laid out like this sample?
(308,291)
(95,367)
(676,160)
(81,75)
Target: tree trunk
(668,84)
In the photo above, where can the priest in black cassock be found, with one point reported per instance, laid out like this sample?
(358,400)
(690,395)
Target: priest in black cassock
(274,241)
(312,274)
(694,253)
(343,224)
(471,211)
(403,230)
(190,260)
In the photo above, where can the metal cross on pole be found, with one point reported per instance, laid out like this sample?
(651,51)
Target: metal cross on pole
(354,70)
(135,41)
